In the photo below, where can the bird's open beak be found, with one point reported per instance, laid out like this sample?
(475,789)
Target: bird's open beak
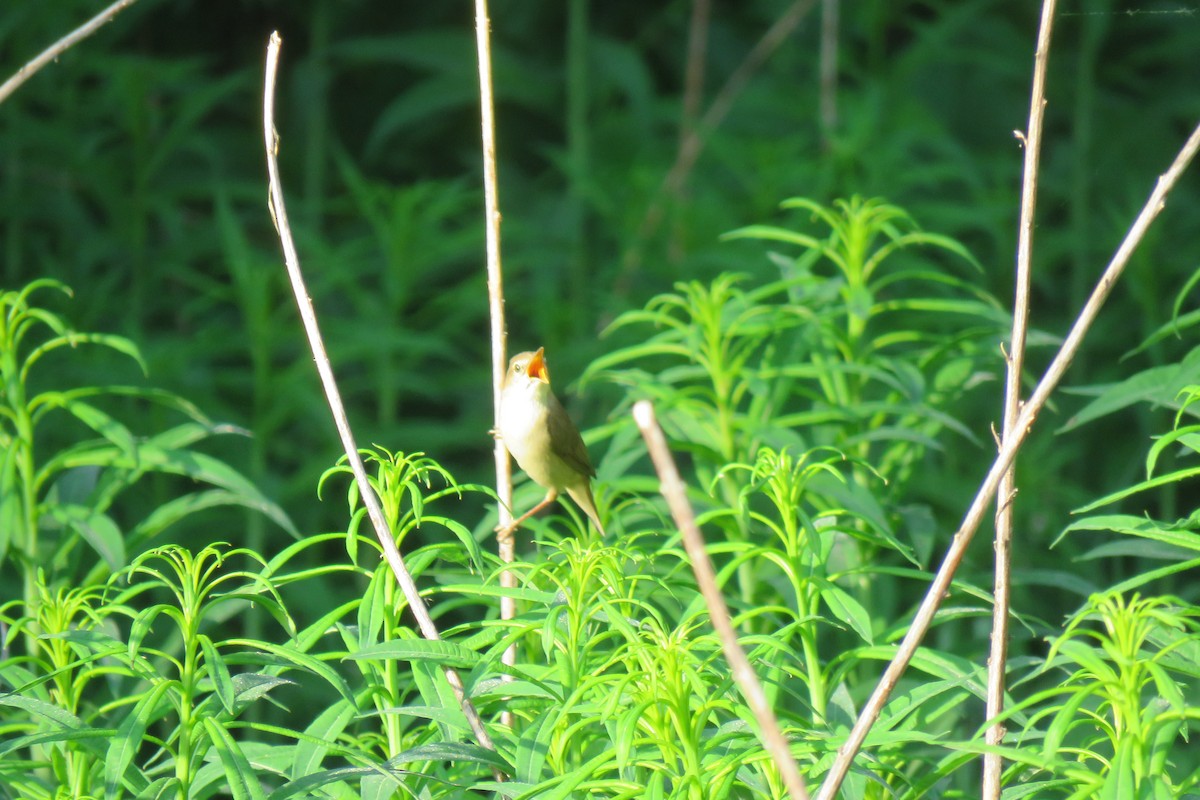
(537,366)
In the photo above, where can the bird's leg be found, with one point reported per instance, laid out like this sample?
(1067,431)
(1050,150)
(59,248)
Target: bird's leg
(551,496)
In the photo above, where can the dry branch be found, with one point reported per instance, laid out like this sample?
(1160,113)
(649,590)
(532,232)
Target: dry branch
(998,659)
(333,395)
(62,45)
(674,491)
(491,200)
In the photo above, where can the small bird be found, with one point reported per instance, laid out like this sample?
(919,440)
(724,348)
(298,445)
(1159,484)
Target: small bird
(541,437)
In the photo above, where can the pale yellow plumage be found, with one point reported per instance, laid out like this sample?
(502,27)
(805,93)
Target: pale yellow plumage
(540,435)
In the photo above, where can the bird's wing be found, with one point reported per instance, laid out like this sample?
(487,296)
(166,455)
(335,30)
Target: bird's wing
(566,442)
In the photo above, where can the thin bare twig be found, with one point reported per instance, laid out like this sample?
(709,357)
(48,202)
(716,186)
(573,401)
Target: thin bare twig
(993,764)
(829,66)
(693,73)
(672,488)
(333,395)
(1011,443)
(491,200)
(58,48)
(693,94)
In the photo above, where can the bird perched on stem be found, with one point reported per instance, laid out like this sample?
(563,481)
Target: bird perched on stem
(542,438)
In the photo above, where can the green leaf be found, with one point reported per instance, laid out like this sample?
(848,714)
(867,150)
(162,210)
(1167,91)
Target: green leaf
(1173,328)
(48,711)
(449,717)
(1152,483)
(128,740)
(11,523)
(303,661)
(241,780)
(454,752)
(1131,525)
(248,687)
(219,673)
(1120,783)
(72,339)
(91,416)
(523,593)
(98,530)
(90,738)
(1158,386)
(436,651)
(179,508)
(148,457)
(848,610)
(321,734)
(304,787)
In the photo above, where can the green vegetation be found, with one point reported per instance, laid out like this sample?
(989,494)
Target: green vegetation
(189,609)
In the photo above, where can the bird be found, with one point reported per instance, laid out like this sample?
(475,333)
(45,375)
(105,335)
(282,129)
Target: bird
(540,435)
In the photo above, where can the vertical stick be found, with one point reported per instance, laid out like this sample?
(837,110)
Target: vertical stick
(829,66)
(578,152)
(491,201)
(693,72)
(693,94)
(998,659)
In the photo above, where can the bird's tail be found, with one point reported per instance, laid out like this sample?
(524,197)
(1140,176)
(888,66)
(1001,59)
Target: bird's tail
(582,495)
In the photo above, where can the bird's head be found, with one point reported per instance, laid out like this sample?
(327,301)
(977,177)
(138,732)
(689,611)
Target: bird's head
(528,369)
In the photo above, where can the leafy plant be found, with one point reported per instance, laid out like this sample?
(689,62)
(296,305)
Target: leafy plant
(1117,724)
(865,358)
(146,710)
(57,495)
(862,345)
(55,744)
(809,403)
(1174,540)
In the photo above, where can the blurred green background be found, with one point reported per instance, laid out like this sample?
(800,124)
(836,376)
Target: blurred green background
(132,169)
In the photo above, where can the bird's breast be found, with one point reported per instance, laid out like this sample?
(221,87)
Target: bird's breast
(526,433)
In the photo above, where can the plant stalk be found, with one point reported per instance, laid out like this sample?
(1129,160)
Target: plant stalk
(993,765)
(505,538)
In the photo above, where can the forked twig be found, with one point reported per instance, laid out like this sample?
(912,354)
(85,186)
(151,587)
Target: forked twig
(62,45)
(998,659)
(672,488)
(491,199)
(308,316)
(1012,442)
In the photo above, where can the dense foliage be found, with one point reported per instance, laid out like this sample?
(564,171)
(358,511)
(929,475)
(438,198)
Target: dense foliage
(816,305)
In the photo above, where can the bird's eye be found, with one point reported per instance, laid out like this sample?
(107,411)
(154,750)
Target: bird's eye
(518,367)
